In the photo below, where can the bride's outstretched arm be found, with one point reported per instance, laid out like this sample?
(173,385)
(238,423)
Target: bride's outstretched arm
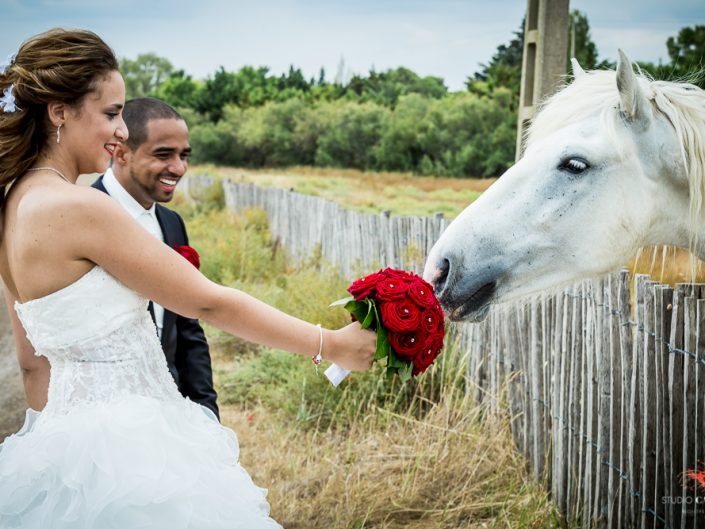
(35,369)
(161,274)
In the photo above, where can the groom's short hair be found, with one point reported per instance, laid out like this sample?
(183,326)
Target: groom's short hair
(138,112)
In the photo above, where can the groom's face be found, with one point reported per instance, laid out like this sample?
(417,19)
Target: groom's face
(156,166)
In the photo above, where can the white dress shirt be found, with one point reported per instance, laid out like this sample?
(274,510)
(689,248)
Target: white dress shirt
(147,219)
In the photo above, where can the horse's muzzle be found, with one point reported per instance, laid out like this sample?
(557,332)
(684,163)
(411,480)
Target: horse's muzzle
(462,297)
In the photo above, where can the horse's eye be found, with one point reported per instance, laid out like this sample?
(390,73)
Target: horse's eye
(574,165)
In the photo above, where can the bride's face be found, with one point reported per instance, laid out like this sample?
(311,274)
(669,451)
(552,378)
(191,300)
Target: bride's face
(93,130)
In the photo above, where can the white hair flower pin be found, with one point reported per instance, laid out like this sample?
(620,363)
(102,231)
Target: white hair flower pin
(8,62)
(7,101)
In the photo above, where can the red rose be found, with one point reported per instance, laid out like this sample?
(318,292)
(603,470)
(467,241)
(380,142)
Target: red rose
(393,285)
(428,354)
(190,254)
(365,287)
(432,321)
(422,293)
(400,316)
(407,345)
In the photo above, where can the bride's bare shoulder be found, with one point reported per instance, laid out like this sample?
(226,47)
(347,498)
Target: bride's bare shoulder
(61,202)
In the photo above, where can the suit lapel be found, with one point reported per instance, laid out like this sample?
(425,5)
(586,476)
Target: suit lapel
(98,184)
(165,225)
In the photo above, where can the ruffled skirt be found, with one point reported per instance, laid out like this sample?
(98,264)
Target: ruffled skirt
(134,463)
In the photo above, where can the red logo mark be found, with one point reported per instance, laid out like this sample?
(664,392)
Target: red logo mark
(695,478)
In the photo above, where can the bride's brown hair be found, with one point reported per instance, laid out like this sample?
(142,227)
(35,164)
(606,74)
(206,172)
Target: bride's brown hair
(58,65)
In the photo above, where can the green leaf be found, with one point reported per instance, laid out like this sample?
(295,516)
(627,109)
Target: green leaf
(378,320)
(406,371)
(342,302)
(359,309)
(394,359)
(382,350)
(369,318)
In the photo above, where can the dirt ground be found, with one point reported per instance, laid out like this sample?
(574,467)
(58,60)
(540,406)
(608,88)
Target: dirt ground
(12,403)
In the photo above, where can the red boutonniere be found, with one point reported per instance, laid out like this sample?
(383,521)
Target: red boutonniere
(190,254)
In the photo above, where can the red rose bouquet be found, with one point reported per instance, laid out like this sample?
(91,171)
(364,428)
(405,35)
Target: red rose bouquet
(402,309)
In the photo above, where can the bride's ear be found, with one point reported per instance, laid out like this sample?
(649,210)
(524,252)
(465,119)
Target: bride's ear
(56,111)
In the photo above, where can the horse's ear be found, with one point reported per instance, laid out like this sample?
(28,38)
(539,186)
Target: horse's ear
(578,71)
(635,107)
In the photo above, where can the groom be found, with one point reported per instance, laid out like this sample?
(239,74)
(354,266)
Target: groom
(144,172)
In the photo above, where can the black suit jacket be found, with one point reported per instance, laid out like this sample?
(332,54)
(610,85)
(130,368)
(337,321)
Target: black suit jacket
(183,340)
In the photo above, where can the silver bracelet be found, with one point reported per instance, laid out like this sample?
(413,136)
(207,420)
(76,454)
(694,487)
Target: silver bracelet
(317,358)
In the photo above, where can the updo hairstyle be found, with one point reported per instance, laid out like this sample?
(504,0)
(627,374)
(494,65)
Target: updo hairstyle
(58,65)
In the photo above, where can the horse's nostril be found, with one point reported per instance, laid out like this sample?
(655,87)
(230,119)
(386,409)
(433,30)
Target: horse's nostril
(439,282)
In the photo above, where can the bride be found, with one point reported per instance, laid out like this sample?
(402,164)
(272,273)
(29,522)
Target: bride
(116,445)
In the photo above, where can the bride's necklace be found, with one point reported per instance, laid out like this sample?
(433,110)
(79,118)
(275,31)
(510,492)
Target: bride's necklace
(52,170)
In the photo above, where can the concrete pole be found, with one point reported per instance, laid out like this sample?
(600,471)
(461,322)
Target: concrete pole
(544,61)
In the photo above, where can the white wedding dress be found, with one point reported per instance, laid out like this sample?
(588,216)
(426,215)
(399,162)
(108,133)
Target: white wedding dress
(117,446)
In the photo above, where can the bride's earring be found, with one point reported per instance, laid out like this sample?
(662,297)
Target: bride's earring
(58,133)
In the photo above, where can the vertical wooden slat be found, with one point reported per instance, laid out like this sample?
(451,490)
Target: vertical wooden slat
(576,397)
(699,417)
(648,399)
(613,360)
(604,402)
(699,412)
(626,337)
(523,351)
(664,309)
(689,460)
(547,371)
(587,438)
(535,386)
(515,388)
(636,404)
(560,386)
(675,390)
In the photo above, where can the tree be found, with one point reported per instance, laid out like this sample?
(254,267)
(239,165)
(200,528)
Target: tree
(581,45)
(385,88)
(504,69)
(216,93)
(179,90)
(144,75)
(687,50)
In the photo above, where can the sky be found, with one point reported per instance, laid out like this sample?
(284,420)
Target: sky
(445,38)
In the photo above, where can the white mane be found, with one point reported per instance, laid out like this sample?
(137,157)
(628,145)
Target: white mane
(682,104)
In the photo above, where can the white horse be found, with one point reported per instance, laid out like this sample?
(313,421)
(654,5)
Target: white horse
(614,161)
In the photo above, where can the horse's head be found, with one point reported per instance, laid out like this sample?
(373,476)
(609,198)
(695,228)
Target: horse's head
(604,173)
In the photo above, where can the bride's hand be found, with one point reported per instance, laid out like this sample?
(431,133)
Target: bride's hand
(350,347)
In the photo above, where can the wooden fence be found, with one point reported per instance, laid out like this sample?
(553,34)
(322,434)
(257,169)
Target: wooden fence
(607,400)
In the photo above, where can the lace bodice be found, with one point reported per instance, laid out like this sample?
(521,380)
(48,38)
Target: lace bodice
(100,342)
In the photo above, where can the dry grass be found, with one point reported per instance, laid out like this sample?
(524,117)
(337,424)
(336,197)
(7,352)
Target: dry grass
(450,469)
(668,265)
